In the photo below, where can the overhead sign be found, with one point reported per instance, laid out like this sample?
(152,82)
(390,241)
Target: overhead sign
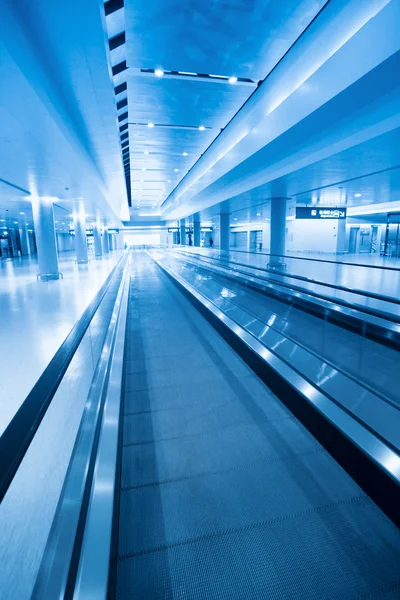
(173,229)
(309,212)
(113,230)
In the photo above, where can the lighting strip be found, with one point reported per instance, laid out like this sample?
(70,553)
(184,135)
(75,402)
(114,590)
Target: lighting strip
(167,126)
(200,77)
(373,209)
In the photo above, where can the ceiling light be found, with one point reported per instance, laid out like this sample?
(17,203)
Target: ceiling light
(176,170)
(169,181)
(21,213)
(158,72)
(258,214)
(145,152)
(184,153)
(15,222)
(201,128)
(143,169)
(357,195)
(150,125)
(235,219)
(232,79)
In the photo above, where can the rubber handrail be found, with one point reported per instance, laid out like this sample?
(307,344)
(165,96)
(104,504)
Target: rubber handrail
(322,260)
(306,292)
(17,437)
(335,286)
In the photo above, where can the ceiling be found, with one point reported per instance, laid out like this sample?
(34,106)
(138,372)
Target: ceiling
(247,99)
(58,134)
(172,62)
(332,92)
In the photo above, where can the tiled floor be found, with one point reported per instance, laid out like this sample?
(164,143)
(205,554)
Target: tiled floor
(224,493)
(35,318)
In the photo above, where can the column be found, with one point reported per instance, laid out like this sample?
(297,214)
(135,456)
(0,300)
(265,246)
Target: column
(183,232)
(98,250)
(111,242)
(43,219)
(14,242)
(224,231)
(248,242)
(265,237)
(106,247)
(196,230)
(24,237)
(80,235)
(278,234)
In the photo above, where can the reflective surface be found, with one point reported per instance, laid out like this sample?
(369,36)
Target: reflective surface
(28,509)
(224,493)
(371,280)
(358,373)
(35,318)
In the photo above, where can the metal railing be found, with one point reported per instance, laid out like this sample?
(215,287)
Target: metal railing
(49,453)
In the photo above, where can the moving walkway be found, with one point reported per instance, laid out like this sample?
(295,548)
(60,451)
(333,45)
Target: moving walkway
(201,462)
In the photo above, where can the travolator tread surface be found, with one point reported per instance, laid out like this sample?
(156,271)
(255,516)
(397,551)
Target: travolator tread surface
(224,494)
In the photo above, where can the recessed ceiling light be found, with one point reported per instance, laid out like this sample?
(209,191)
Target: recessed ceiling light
(150,124)
(158,72)
(145,152)
(176,170)
(21,213)
(258,214)
(169,181)
(15,222)
(201,128)
(357,195)
(235,219)
(184,153)
(143,169)
(232,79)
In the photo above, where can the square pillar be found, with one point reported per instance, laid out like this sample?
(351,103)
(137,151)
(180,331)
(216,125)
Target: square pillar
(224,231)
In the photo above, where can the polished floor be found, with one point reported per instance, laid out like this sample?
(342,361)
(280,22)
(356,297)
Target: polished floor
(224,494)
(36,317)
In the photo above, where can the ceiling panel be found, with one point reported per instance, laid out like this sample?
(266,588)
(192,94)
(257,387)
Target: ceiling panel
(224,37)
(241,38)
(184,102)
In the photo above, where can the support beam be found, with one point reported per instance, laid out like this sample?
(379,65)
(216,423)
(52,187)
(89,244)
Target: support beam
(196,230)
(80,234)
(224,231)
(106,247)
(183,232)
(278,234)
(98,250)
(43,219)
